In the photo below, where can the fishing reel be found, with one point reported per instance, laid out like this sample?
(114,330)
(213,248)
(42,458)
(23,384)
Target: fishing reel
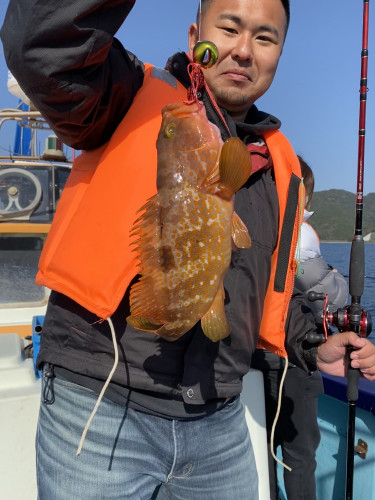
(344,319)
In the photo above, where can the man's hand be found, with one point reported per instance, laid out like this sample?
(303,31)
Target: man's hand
(331,357)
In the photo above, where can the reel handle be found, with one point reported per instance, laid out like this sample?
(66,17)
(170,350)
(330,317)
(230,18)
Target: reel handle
(313,296)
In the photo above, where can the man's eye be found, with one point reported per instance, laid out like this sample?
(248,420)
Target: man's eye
(229,30)
(266,38)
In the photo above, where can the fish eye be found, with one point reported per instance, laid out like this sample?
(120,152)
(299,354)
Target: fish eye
(170,130)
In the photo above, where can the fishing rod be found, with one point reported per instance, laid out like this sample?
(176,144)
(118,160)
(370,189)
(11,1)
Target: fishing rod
(353,317)
(357,261)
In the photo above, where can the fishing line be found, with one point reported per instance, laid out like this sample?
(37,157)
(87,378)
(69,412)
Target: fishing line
(365,276)
(205,53)
(199,19)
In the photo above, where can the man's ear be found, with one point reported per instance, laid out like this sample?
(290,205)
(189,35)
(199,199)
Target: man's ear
(193,37)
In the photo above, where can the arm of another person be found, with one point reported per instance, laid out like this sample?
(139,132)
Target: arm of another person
(318,276)
(64,56)
(329,357)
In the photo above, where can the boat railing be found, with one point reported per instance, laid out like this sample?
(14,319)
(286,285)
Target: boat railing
(33,120)
(25,118)
(24,160)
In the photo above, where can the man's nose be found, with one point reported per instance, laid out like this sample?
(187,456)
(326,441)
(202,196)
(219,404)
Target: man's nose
(243,48)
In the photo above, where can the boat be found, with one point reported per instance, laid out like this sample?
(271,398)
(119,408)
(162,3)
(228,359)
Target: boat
(331,454)
(30,188)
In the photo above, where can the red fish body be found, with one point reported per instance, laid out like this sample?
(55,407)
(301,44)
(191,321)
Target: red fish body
(184,233)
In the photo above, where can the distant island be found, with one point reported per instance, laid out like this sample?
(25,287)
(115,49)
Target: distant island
(334,215)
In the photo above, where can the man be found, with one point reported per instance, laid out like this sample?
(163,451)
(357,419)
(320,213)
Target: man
(172,417)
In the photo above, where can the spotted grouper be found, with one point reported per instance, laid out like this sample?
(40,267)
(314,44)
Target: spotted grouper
(184,233)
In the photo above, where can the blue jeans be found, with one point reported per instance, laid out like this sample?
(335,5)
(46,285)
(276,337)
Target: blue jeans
(132,455)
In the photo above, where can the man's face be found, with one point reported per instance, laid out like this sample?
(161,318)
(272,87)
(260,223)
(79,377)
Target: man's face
(249,35)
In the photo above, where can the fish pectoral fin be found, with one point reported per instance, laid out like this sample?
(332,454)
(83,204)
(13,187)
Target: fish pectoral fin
(240,234)
(142,324)
(234,164)
(214,323)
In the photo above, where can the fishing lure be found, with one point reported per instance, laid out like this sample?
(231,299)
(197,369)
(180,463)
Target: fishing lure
(205,54)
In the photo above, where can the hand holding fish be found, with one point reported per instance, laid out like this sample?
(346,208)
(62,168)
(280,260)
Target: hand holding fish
(331,357)
(185,231)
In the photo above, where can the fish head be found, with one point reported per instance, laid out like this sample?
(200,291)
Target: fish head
(188,144)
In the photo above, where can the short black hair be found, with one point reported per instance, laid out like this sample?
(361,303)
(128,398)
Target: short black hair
(206,3)
(308,180)
(286,6)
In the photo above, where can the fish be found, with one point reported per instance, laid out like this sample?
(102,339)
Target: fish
(185,233)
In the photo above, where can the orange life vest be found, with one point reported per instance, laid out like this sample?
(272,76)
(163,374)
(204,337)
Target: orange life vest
(291,194)
(87,255)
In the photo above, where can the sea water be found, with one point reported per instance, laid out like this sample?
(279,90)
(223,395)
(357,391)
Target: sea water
(338,256)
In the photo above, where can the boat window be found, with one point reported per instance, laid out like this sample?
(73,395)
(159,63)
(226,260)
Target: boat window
(61,176)
(19,256)
(25,192)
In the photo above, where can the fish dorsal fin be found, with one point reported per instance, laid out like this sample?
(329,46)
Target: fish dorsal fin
(234,163)
(149,296)
(240,234)
(214,323)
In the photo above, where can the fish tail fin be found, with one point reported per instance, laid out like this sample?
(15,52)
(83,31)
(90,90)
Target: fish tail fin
(234,164)
(214,323)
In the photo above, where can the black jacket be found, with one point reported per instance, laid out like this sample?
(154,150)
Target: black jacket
(83,81)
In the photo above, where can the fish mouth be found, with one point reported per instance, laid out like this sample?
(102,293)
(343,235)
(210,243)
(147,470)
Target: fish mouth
(181,109)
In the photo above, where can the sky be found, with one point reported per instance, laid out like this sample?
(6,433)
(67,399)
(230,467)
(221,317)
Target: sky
(315,92)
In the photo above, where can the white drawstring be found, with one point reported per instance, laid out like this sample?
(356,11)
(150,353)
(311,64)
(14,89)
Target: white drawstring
(103,390)
(277,416)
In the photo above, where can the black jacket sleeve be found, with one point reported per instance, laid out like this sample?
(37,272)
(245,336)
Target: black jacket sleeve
(64,56)
(300,321)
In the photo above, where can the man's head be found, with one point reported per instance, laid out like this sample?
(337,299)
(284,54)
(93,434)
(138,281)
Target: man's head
(249,35)
(204,4)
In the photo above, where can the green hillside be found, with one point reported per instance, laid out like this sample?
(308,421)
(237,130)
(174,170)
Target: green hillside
(334,214)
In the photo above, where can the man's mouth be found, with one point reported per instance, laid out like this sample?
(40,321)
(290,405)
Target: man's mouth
(237,75)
